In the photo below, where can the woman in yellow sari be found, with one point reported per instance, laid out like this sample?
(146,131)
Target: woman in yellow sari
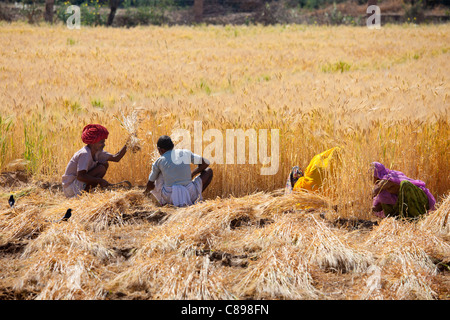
(317,171)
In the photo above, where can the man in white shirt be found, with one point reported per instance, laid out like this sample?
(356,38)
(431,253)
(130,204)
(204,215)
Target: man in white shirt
(88,165)
(171,180)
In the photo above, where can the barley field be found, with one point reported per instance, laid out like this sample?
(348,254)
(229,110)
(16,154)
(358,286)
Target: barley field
(381,95)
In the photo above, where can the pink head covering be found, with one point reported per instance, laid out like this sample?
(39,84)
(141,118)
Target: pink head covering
(382,173)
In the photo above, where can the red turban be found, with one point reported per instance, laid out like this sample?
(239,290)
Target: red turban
(94,133)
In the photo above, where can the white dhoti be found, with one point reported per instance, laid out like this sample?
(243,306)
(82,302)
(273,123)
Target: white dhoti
(74,189)
(178,195)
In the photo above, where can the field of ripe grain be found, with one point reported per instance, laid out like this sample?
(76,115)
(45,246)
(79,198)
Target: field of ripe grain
(382,95)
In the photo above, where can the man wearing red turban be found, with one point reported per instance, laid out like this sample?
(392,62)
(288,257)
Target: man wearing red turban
(88,165)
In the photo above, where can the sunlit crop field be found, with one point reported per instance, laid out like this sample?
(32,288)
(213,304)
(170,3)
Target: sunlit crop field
(382,95)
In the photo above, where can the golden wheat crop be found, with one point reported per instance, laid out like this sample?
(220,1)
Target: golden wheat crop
(388,103)
(382,95)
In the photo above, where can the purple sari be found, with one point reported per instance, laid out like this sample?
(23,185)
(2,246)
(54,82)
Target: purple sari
(382,173)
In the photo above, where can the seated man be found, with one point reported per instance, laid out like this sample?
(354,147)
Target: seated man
(88,165)
(170,180)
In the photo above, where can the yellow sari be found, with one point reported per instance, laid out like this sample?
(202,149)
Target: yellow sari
(319,167)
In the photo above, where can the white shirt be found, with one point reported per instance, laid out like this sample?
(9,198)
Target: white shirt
(174,165)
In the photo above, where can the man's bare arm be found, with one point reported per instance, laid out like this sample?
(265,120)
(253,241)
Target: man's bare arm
(150,186)
(200,168)
(119,155)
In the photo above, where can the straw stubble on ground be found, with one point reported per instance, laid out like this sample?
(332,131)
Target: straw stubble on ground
(120,245)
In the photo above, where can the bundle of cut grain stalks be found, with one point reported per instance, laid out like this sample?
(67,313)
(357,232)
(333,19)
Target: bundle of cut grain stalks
(131,124)
(119,244)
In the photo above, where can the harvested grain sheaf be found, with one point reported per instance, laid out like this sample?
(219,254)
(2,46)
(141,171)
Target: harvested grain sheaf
(28,224)
(407,253)
(393,233)
(169,276)
(68,236)
(409,270)
(280,273)
(327,250)
(281,203)
(438,222)
(62,263)
(203,225)
(109,209)
(131,124)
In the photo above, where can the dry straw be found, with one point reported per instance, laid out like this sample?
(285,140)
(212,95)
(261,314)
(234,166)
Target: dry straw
(438,221)
(131,124)
(278,274)
(62,263)
(118,243)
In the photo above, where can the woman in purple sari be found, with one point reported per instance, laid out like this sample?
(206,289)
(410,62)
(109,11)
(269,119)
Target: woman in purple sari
(397,195)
